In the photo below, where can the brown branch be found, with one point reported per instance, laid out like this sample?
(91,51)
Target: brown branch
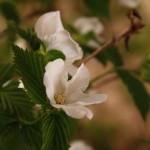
(125,34)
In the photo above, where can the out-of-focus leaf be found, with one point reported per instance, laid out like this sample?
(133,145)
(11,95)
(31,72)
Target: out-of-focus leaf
(48,2)
(54,54)
(144,70)
(112,53)
(9,11)
(137,90)
(55,132)
(31,67)
(99,7)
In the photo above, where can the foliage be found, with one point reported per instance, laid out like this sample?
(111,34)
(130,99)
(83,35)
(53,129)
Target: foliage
(137,91)
(9,11)
(54,54)
(15,108)
(144,70)
(30,66)
(99,7)
(31,38)
(50,128)
(55,132)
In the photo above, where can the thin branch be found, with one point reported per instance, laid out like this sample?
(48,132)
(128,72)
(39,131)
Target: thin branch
(126,33)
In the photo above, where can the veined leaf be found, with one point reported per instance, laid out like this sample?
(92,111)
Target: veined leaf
(30,67)
(32,135)
(55,132)
(99,7)
(137,90)
(15,110)
(6,117)
(6,73)
(9,11)
(13,99)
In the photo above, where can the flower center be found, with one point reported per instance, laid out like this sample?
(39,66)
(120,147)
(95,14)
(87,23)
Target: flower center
(60,98)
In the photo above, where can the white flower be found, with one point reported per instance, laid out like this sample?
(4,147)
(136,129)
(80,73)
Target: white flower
(129,3)
(48,24)
(89,24)
(63,42)
(85,25)
(80,145)
(49,28)
(69,94)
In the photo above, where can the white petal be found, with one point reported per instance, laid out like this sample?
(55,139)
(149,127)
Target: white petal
(71,68)
(79,81)
(48,24)
(77,112)
(63,42)
(92,99)
(80,98)
(89,24)
(130,3)
(55,78)
(80,145)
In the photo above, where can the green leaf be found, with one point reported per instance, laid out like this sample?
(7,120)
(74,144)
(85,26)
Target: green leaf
(31,37)
(31,67)
(13,99)
(55,132)
(139,94)
(99,7)
(144,70)
(51,55)
(6,73)
(113,55)
(32,135)
(6,117)
(9,11)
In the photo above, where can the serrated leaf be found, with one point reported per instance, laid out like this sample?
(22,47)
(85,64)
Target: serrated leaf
(139,94)
(55,132)
(51,55)
(30,36)
(9,11)
(6,73)
(31,67)
(99,7)
(13,99)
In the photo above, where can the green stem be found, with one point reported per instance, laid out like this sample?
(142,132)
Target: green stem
(102,75)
